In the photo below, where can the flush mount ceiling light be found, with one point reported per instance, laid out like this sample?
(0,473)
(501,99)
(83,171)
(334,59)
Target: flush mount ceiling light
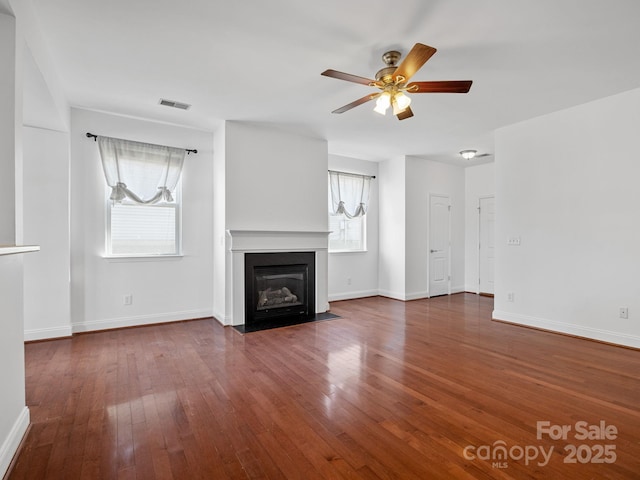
(468,154)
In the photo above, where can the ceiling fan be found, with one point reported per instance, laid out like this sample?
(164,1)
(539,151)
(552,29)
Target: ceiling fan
(393,82)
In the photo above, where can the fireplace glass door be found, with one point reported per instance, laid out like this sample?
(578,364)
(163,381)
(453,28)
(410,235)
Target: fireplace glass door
(279,287)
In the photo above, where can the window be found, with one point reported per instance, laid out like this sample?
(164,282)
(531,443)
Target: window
(348,198)
(141,230)
(144,201)
(347,234)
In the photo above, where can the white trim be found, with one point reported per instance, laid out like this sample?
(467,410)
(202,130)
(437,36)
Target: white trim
(336,297)
(222,319)
(276,241)
(352,295)
(569,328)
(394,295)
(139,320)
(141,258)
(346,252)
(46,333)
(11,444)
(416,295)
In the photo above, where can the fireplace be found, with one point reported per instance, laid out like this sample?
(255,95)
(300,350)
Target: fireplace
(279,285)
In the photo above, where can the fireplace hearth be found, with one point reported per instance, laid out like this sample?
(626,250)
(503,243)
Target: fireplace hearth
(279,285)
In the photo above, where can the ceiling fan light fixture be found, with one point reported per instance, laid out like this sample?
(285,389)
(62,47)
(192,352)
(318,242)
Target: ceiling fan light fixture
(393,82)
(402,100)
(468,154)
(383,102)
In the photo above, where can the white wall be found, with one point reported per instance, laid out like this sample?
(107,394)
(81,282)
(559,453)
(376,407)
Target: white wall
(221,300)
(355,274)
(14,415)
(405,187)
(8,129)
(46,223)
(424,178)
(392,225)
(479,182)
(567,185)
(164,289)
(275,180)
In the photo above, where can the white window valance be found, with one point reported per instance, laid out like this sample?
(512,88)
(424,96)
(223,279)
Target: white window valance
(349,194)
(142,172)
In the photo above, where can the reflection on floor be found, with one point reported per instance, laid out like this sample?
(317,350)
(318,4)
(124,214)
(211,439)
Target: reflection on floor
(284,322)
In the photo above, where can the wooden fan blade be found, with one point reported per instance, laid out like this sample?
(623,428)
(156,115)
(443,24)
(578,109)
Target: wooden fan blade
(348,77)
(406,113)
(453,86)
(360,101)
(416,58)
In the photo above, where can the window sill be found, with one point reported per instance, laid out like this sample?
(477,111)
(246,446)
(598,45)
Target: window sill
(342,252)
(142,258)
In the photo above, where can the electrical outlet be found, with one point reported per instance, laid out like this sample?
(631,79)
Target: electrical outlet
(510,297)
(348,280)
(624,312)
(127,299)
(513,241)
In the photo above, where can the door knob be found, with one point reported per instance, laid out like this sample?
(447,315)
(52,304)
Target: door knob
(433,251)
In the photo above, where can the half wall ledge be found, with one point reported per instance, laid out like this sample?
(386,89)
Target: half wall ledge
(15,249)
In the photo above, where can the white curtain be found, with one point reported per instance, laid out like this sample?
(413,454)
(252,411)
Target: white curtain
(349,194)
(142,172)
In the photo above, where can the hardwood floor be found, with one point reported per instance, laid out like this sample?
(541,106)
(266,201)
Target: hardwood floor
(392,390)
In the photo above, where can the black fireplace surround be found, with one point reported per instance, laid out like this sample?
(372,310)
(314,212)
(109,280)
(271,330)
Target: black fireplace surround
(279,285)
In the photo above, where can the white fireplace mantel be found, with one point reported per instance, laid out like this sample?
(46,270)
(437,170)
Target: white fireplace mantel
(240,242)
(276,240)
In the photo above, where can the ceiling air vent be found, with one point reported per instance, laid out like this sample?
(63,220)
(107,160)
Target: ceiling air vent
(171,103)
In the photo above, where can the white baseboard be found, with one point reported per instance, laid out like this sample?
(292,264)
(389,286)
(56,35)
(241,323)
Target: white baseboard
(405,297)
(221,318)
(139,320)
(569,328)
(10,444)
(394,295)
(45,333)
(425,293)
(335,297)
(416,295)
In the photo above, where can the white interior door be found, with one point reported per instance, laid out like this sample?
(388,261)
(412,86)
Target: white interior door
(439,245)
(487,210)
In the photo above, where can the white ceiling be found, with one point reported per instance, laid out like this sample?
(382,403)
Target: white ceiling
(261,61)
